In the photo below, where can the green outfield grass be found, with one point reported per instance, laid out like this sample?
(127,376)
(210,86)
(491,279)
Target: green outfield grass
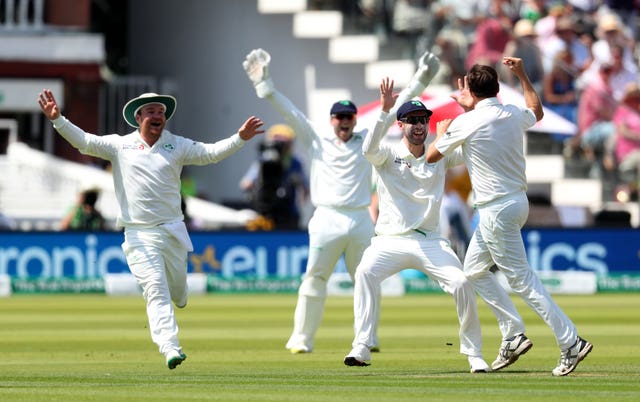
(97,348)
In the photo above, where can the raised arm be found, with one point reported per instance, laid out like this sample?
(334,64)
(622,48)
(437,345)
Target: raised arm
(256,65)
(531,98)
(371,145)
(48,104)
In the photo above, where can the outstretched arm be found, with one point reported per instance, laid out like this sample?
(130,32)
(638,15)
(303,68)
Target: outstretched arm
(48,104)
(250,128)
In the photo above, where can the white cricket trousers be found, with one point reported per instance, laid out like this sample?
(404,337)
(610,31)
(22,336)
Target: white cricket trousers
(498,240)
(429,253)
(158,260)
(333,232)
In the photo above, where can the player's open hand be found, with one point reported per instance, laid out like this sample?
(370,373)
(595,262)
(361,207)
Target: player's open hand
(48,104)
(387,97)
(464,98)
(251,128)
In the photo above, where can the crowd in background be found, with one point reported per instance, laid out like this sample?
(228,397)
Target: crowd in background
(581,55)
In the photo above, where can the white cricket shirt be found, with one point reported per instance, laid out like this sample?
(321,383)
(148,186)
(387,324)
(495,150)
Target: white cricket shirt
(492,141)
(410,190)
(147,179)
(340,176)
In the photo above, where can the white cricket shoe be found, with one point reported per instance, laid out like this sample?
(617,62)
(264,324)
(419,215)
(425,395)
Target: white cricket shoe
(298,349)
(569,358)
(174,358)
(359,356)
(478,365)
(511,350)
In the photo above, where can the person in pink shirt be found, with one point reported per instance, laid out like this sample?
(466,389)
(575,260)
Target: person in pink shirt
(492,36)
(627,138)
(596,107)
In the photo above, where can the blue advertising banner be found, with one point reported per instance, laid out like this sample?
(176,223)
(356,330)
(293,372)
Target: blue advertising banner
(284,254)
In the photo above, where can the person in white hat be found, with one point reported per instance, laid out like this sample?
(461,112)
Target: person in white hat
(340,190)
(147,164)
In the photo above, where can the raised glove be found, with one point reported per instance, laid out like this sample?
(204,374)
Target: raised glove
(256,65)
(428,66)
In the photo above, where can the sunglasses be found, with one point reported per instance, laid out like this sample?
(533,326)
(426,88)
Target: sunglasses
(415,120)
(341,116)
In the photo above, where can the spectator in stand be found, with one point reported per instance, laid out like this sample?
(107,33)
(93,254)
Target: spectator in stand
(533,10)
(596,107)
(558,88)
(566,38)
(546,26)
(611,35)
(456,22)
(492,35)
(626,11)
(620,74)
(524,46)
(411,20)
(84,215)
(626,144)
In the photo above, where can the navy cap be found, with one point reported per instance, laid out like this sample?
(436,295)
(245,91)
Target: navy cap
(412,106)
(344,106)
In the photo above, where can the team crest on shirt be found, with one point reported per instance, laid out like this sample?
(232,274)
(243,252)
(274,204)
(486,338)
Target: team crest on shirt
(168,147)
(401,161)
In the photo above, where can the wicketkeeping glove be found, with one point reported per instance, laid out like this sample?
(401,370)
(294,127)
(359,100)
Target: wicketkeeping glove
(256,65)
(428,66)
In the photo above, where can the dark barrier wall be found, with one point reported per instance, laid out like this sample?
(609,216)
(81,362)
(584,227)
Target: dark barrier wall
(284,254)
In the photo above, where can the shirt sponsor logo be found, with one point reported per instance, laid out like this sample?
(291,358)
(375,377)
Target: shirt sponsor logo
(129,146)
(168,147)
(401,161)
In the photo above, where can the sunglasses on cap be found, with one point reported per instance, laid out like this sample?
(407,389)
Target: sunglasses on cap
(415,120)
(340,116)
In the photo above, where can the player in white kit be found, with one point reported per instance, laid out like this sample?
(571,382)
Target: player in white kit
(491,137)
(340,190)
(410,191)
(147,164)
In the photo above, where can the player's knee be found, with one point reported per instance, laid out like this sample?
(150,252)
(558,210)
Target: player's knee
(314,287)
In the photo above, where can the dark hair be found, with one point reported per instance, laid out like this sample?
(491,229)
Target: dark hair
(483,81)
(90,198)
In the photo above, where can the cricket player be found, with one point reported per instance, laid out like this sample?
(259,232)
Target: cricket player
(147,164)
(408,235)
(491,137)
(340,191)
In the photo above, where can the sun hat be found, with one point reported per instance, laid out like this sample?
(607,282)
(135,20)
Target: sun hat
(412,106)
(524,28)
(344,106)
(131,108)
(280,132)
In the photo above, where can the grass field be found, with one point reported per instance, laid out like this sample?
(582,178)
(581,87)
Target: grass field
(97,348)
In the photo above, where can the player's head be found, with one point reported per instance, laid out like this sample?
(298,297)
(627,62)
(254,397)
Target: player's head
(413,119)
(483,81)
(343,118)
(148,103)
